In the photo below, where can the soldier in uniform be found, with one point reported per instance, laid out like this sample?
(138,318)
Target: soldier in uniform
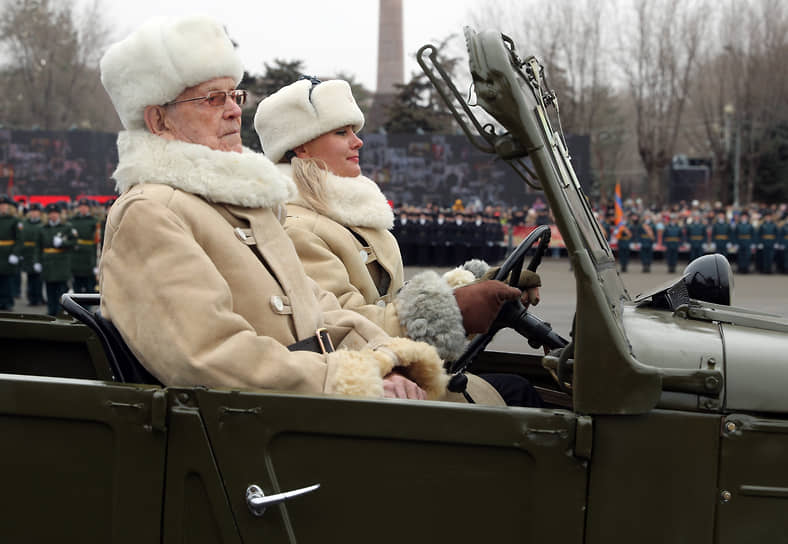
(672,237)
(744,238)
(83,257)
(458,235)
(10,251)
(425,228)
(55,241)
(644,234)
(697,235)
(767,238)
(440,242)
(30,251)
(402,232)
(624,241)
(721,232)
(782,244)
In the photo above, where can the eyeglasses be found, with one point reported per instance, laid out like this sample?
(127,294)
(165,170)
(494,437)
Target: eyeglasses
(217,98)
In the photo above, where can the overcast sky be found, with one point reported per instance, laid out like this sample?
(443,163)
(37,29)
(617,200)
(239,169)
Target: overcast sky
(328,35)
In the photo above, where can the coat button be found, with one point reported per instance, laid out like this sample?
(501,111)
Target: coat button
(277,302)
(381,303)
(364,255)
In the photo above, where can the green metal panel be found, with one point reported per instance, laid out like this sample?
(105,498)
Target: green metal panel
(654,478)
(196,509)
(81,462)
(399,471)
(753,483)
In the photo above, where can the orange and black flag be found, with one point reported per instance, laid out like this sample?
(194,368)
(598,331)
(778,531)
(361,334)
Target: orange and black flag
(619,213)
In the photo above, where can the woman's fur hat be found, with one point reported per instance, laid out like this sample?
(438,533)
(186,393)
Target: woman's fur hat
(302,111)
(163,57)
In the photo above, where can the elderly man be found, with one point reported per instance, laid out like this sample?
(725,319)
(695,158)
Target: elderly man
(197,272)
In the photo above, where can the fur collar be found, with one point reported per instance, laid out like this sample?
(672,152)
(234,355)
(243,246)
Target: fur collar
(352,202)
(245,179)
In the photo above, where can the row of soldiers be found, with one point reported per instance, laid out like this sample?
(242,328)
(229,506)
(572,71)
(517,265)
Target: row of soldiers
(448,239)
(739,241)
(49,250)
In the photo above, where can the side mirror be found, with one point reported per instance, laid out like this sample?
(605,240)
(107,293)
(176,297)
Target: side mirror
(709,278)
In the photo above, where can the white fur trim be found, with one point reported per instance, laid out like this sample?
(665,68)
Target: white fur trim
(163,57)
(246,179)
(458,277)
(290,117)
(351,202)
(429,313)
(477,267)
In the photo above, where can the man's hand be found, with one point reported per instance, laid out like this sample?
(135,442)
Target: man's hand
(37,268)
(397,386)
(529,282)
(480,303)
(13,259)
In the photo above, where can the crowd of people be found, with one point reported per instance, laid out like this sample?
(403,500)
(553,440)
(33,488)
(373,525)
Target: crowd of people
(753,238)
(56,246)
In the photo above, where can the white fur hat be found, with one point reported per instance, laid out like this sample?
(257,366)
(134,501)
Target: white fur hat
(301,112)
(163,57)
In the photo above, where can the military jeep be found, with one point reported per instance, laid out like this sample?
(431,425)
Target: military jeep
(667,418)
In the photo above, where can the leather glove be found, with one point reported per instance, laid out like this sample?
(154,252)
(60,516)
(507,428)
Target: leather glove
(57,240)
(480,303)
(13,259)
(529,284)
(37,268)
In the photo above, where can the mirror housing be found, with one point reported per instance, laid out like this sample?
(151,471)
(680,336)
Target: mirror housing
(709,279)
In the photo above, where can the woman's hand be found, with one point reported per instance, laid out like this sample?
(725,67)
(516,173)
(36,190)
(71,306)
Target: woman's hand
(397,386)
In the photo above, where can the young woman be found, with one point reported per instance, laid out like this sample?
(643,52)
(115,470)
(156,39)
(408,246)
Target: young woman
(340,220)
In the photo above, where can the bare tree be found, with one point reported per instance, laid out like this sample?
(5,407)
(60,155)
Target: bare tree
(657,56)
(50,72)
(743,92)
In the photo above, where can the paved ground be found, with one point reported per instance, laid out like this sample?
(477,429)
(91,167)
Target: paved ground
(763,293)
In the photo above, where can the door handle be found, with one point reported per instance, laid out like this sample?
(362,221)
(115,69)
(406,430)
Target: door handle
(257,501)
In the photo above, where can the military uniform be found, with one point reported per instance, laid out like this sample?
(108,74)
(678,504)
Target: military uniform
(721,232)
(744,238)
(30,253)
(624,239)
(644,234)
(782,236)
(672,237)
(10,251)
(403,231)
(424,233)
(696,236)
(767,237)
(83,257)
(55,243)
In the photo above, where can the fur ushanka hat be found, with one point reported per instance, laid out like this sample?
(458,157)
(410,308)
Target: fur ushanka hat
(302,111)
(163,57)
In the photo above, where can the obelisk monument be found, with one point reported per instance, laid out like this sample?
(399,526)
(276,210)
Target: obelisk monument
(391,59)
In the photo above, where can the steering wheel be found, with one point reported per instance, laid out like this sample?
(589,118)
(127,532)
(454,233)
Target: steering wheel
(513,314)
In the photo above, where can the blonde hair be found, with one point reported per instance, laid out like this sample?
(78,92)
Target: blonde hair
(309,176)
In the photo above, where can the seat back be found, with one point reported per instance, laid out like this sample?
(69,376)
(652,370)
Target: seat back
(123,363)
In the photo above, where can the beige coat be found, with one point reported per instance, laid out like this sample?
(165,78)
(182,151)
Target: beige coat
(353,255)
(205,287)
